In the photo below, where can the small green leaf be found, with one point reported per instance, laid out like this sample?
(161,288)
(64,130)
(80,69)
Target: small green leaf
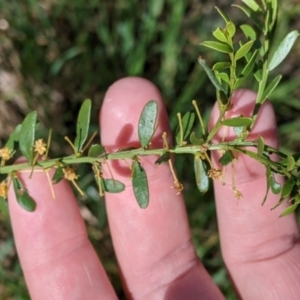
(287,188)
(251,15)
(240,80)
(112,186)
(27,136)
(237,122)
(140,184)
(274,10)
(219,35)
(275,186)
(222,14)
(297,158)
(290,163)
(271,87)
(250,64)
(220,66)
(187,122)
(147,123)
(3,206)
(244,50)
(230,28)
(224,77)
(194,140)
(58,175)
(260,146)
(14,137)
(289,210)
(283,49)
(211,75)
(249,31)
(252,5)
(83,124)
(96,150)
(23,198)
(202,179)
(163,158)
(258,71)
(226,158)
(218,46)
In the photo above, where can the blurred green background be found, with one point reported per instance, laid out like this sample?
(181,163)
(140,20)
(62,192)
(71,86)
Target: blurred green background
(53,54)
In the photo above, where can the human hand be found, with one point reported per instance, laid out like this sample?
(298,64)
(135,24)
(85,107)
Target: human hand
(153,246)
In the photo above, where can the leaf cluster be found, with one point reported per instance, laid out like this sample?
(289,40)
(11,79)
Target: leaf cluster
(250,57)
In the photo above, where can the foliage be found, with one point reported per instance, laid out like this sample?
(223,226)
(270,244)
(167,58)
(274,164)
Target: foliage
(250,57)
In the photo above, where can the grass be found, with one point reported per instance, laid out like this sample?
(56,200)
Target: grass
(53,54)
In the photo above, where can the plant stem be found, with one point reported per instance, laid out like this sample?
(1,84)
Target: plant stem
(130,154)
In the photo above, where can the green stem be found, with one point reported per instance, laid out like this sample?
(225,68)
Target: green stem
(218,124)
(130,154)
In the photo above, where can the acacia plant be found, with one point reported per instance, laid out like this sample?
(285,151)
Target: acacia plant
(248,52)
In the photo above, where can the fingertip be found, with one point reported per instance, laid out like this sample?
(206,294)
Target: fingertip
(121,109)
(243,104)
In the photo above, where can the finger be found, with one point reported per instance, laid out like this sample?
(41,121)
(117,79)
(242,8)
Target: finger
(153,245)
(260,249)
(56,256)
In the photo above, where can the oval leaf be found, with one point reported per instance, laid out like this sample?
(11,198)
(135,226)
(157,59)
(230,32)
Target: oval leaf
(140,184)
(83,124)
(113,186)
(244,50)
(211,75)
(27,135)
(96,150)
(287,188)
(250,14)
(290,163)
(164,158)
(147,123)
(230,28)
(219,35)
(3,206)
(224,76)
(226,158)
(275,186)
(195,140)
(250,64)
(260,146)
(289,210)
(220,66)
(187,123)
(23,198)
(252,5)
(237,122)
(202,179)
(271,87)
(58,175)
(249,31)
(218,46)
(283,49)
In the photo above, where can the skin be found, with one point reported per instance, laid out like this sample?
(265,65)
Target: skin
(156,257)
